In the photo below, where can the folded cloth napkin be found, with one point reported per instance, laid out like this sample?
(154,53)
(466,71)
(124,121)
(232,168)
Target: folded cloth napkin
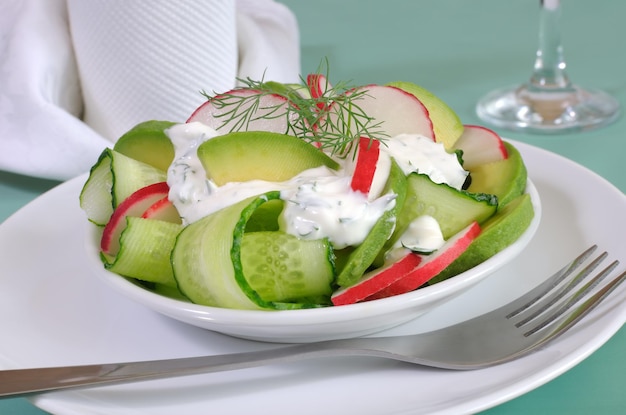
(76,74)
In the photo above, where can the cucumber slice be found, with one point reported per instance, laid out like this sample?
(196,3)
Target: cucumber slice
(112,179)
(95,196)
(130,175)
(208,265)
(500,231)
(145,249)
(363,256)
(453,209)
(282,268)
(265,218)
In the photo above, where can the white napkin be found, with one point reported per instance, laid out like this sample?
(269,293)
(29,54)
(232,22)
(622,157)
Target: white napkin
(76,74)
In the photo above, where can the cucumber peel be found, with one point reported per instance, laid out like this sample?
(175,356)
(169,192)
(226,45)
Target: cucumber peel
(281,268)
(453,209)
(112,179)
(145,248)
(209,269)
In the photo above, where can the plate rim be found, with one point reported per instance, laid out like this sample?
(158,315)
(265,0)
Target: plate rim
(55,402)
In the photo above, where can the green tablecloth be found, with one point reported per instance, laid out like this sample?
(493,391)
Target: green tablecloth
(460,50)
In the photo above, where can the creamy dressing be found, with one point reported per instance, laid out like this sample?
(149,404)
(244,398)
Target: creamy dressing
(326,206)
(422,235)
(186,177)
(414,152)
(319,202)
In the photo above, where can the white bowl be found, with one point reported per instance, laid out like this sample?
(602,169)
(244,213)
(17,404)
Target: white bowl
(309,325)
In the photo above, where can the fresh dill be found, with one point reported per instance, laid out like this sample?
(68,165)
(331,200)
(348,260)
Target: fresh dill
(333,121)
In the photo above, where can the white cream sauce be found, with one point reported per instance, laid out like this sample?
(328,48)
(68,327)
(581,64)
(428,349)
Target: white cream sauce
(414,152)
(319,202)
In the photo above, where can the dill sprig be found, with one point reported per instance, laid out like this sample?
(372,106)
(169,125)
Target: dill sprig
(334,121)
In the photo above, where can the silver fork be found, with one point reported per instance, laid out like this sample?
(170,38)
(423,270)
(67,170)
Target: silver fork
(499,336)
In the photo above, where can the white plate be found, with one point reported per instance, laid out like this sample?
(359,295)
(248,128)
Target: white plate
(53,312)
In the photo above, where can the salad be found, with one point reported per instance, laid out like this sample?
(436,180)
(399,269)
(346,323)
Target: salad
(280,196)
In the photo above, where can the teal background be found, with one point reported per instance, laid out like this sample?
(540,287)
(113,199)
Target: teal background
(460,49)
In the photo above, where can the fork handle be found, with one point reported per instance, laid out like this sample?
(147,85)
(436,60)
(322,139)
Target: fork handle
(16,382)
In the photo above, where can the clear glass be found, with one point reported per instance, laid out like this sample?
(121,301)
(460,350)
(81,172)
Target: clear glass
(549,102)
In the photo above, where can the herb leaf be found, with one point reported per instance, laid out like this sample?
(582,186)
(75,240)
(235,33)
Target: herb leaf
(334,121)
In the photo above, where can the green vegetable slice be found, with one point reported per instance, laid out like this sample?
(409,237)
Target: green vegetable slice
(210,266)
(453,209)
(112,179)
(364,255)
(145,249)
(282,268)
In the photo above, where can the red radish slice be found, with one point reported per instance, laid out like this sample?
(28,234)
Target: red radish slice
(134,205)
(397,111)
(367,158)
(163,209)
(270,114)
(318,85)
(377,280)
(480,145)
(432,264)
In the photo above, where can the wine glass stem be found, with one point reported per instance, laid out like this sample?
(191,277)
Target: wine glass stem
(549,70)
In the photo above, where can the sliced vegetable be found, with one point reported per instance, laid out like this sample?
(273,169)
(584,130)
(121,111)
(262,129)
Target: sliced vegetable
(392,111)
(111,180)
(447,125)
(480,145)
(283,268)
(367,158)
(504,178)
(318,84)
(147,142)
(432,264)
(210,267)
(134,205)
(244,110)
(453,209)
(259,155)
(144,253)
(377,280)
(163,209)
(500,231)
(364,255)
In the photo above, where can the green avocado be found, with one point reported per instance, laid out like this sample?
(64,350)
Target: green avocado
(148,143)
(259,155)
(504,178)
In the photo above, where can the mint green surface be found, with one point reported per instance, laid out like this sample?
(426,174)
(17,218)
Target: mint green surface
(461,49)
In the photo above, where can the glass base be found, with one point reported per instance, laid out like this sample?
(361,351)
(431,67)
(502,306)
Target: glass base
(518,108)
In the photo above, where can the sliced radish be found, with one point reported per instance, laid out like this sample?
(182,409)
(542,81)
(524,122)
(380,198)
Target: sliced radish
(377,280)
(395,110)
(318,85)
(366,161)
(432,264)
(134,205)
(270,113)
(480,145)
(163,209)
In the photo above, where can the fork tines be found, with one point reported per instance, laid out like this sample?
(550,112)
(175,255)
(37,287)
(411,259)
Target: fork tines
(551,301)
